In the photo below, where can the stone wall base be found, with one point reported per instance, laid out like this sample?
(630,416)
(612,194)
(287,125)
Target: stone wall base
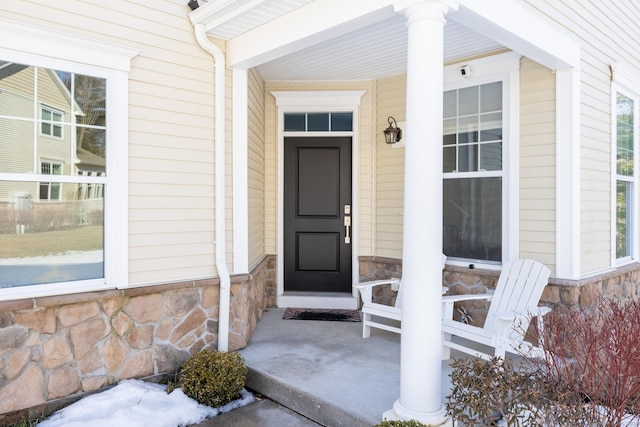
(53,348)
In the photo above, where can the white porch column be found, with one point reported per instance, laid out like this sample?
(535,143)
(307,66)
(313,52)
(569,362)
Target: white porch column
(421,339)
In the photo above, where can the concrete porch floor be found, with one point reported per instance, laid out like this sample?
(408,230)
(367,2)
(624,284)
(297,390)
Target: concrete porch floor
(325,371)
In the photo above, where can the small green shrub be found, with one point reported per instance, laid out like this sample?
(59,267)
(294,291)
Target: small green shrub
(213,378)
(393,423)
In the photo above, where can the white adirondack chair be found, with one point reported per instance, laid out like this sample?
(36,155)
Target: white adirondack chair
(370,308)
(513,304)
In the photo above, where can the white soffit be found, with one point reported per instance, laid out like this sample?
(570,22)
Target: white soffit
(374,52)
(368,52)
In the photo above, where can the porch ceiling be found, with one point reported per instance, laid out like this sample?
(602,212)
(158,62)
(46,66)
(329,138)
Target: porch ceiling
(368,52)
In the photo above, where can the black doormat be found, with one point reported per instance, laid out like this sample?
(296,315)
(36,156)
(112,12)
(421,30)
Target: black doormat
(335,315)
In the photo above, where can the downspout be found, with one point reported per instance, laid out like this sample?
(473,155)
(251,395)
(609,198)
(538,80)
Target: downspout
(219,149)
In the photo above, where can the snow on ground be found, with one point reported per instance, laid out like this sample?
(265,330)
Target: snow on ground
(135,403)
(69,257)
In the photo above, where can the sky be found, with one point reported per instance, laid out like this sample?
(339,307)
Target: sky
(135,403)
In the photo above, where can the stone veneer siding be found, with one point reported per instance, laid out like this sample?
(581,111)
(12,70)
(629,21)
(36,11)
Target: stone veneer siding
(52,348)
(619,284)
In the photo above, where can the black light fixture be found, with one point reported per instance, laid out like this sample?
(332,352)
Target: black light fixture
(393,133)
(193,4)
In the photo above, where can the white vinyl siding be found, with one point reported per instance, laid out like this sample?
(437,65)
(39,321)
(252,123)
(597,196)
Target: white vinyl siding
(366,166)
(389,191)
(256,167)
(598,25)
(537,163)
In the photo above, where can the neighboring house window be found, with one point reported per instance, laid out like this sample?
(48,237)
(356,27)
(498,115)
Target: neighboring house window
(51,124)
(50,190)
(87,81)
(90,190)
(472,167)
(625,137)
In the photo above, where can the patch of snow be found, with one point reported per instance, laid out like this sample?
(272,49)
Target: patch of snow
(69,257)
(136,403)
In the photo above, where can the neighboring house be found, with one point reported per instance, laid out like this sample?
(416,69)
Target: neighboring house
(239,156)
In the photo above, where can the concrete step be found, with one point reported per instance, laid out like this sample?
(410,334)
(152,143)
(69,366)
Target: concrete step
(262,413)
(321,411)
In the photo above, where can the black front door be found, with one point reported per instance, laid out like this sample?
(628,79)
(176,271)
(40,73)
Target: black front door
(317,214)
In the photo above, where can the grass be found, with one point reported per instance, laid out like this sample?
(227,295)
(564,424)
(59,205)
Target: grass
(25,423)
(84,238)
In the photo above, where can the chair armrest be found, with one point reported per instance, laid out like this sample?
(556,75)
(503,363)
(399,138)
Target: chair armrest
(366,288)
(449,300)
(368,285)
(465,297)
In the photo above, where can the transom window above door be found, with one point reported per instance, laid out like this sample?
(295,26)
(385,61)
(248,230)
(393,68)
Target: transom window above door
(318,122)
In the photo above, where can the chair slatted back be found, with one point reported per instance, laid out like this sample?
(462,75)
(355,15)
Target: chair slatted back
(519,288)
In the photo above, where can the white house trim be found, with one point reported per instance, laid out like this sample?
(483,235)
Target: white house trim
(568,173)
(53,44)
(299,101)
(515,27)
(240,170)
(314,23)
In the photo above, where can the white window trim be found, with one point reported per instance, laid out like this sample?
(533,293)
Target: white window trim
(624,81)
(37,46)
(505,68)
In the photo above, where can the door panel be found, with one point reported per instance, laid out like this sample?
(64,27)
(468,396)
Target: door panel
(317,187)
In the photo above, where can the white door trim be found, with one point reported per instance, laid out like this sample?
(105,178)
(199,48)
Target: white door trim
(308,101)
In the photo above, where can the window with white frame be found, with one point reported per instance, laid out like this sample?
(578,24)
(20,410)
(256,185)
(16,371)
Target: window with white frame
(50,190)
(472,167)
(625,136)
(51,122)
(68,252)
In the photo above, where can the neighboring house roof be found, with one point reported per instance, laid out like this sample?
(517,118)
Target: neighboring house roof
(8,69)
(89,161)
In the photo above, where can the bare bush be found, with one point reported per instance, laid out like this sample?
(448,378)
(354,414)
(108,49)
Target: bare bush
(592,358)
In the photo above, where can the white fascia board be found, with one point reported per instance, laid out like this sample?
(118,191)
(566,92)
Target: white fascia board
(304,27)
(520,30)
(215,13)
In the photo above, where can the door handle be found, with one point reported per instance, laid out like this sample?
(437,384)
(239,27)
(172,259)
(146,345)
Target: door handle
(347,229)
